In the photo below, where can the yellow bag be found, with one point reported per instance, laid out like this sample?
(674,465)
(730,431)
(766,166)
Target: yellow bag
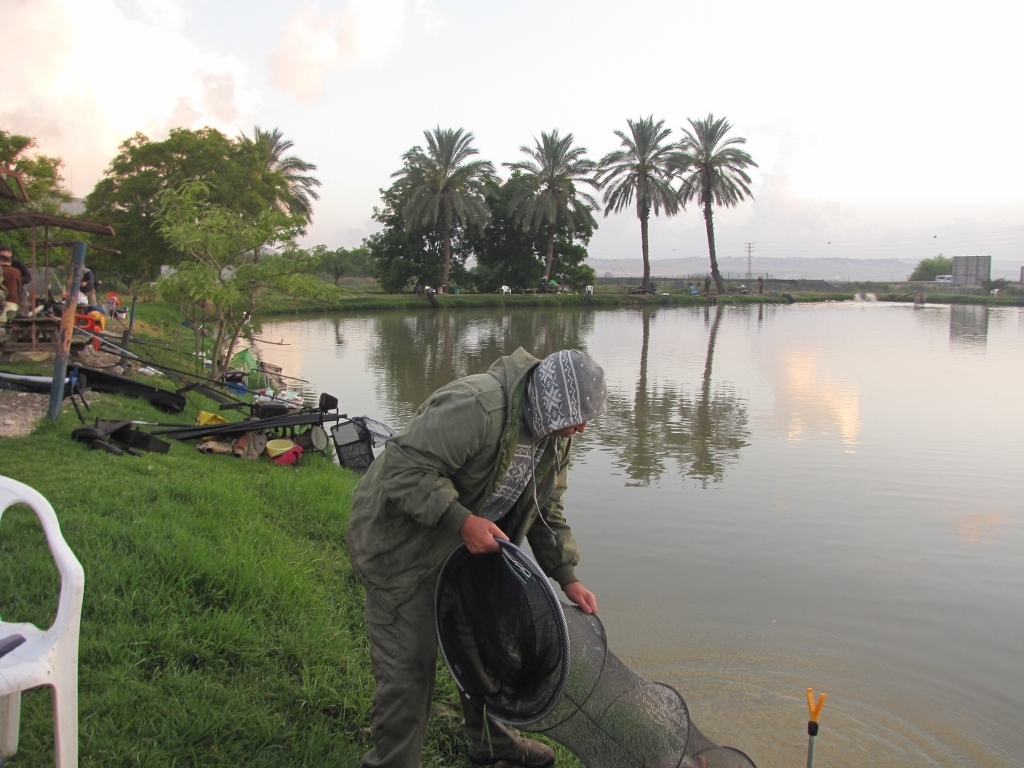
(205,419)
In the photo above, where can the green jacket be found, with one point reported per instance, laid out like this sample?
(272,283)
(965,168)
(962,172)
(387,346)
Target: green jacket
(408,508)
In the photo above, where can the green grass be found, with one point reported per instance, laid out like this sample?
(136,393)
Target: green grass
(222,623)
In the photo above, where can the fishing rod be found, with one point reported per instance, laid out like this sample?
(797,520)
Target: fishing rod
(281,343)
(184,373)
(282,376)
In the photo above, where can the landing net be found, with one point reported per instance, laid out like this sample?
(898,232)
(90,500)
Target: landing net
(538,665)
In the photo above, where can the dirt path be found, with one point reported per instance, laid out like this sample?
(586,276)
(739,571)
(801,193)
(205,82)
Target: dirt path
(20,412)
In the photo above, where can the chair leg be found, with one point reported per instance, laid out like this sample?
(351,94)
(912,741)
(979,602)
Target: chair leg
(10,715)
(65,716)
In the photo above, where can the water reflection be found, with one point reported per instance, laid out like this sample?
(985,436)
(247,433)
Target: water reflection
(808,399)
(973,528)
(968,324)
(413,355)
(701,432)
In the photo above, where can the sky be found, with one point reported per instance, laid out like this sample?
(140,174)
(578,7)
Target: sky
(881,129)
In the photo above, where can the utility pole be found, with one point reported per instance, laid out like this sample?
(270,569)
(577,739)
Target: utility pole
(750,269)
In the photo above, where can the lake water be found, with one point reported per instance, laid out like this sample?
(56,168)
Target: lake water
(782,497)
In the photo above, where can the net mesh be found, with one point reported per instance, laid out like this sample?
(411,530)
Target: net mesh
(513,648)
(354,445)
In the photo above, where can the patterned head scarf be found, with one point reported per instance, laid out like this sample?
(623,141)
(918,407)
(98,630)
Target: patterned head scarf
(566,389)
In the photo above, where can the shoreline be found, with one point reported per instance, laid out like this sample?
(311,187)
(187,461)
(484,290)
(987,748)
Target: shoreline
(392,302)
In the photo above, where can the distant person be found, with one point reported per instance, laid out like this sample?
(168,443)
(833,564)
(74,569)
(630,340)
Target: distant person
(12,284)
(26,282)
(88,286)
(760,284)
(693,289)
(707,286)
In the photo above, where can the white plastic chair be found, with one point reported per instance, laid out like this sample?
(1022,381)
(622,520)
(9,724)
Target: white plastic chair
(47,657)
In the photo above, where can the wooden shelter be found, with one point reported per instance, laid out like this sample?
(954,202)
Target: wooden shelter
(11,185)
(33,220)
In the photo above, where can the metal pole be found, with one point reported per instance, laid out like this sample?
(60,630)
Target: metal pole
(67,328)
(46,268)
(812,724)
(32,309)
(128,334)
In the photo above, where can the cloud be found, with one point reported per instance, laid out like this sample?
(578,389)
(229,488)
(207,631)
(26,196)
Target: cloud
(83,75)
(313,44)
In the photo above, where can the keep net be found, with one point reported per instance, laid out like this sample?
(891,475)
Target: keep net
(533,663)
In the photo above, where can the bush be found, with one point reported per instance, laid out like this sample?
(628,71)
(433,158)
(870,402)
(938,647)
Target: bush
(928,269)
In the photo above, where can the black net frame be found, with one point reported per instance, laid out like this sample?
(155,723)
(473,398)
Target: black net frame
(551,671)
(353,444)
(514,660)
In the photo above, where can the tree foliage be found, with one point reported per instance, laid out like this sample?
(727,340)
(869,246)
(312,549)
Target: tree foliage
(442,189)
(344,262)
(235,174)
(226,278)
(713,171)
(506,254)
(549,198)
(44,184)
(641,171)
(929,269)
(402,257)
(299,186)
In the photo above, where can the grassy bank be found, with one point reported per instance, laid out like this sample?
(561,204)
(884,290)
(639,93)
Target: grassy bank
(374,302)
(222,624)
(955,298)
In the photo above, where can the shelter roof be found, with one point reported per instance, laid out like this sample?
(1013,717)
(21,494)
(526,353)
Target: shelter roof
(24,219)
(92,246)
(16,193)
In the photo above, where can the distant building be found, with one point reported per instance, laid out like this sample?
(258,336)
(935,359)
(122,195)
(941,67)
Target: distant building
(74,208)
(971,270)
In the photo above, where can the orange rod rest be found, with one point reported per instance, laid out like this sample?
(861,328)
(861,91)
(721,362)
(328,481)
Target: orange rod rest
(814,709)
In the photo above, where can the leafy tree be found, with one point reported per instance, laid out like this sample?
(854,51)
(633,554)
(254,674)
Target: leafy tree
(506,254)
(344,262)
(641,170)
(713,171)
(928,269)
(401,256)
(44,184)
(222,280)
(549,198)
(235,175)
(300,188)
(443,189)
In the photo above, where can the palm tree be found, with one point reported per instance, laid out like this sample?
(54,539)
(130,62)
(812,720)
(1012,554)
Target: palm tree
(442,187)
(299,186)
(641,170)
(554,169)
(713,170)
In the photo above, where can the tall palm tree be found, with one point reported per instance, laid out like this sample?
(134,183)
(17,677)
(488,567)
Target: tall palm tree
(713,171)
(554,169)
(442,187)
(300,188)
(641,170)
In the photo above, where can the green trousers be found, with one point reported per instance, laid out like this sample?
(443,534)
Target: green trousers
(403,651)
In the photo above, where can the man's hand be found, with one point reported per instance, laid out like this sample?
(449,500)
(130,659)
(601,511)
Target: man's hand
(582,596)
(480,535)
